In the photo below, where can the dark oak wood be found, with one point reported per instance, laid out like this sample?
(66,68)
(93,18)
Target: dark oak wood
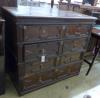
(44,45)
(8,3)
(2,58)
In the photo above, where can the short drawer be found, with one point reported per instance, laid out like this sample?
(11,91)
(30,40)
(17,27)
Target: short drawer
(78,44)
(70,57)
(37,79)
(37,66)
(30,81)
(77,30)
(67,70)
(41,32)
(40,50)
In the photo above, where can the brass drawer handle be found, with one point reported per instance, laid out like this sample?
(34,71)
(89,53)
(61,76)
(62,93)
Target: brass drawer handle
(64,27)
(25,27)
(44,31)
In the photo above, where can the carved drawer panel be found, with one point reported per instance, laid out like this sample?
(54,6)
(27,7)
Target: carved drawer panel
(36,79)
(70,57)
(74,68)
(67,70)
(41,32)
(33,66)
(31,51)
(31,80)
(49,32)
(80,43)
(65,59)
(77,30)
(31,33)
(40,50)
(74,45)
(75,56)
(47,76)
(49,63)
(37,65)
(60,72)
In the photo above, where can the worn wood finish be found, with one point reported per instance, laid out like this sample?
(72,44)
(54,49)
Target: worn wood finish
(44,46)
(8,3)
(2,71)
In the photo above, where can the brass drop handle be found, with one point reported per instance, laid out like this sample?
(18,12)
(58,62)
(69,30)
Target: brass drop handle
(25,27)
(40,79)
(63,27)
(43,34)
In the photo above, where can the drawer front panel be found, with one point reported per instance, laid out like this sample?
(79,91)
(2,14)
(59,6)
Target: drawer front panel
(31,67)
(76,56)
(40,49)
(77,30)
(31,33)
(42,32)
(38,66)
(31,80)
(47,76)
(70,57)
(74,45)
(37,79)
(67,70)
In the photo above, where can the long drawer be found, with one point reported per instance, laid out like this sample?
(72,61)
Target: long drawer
(45,50)
(41,32)
(49,76)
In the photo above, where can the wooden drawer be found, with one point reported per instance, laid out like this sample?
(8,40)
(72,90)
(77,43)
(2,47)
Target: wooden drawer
(75,45)
(40,49)
(37,66)
(76,56)
(41,32)
(47,76)
(67,70)
(74,68)
(37,79)
(77,30)
(33,66)
(30,80)
(70,57)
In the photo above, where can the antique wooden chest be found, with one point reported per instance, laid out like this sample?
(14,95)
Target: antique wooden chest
(44,45)
(2,68)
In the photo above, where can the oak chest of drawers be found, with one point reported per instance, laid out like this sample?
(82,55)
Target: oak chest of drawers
(44,45)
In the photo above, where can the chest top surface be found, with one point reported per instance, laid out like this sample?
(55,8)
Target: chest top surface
(44,12)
